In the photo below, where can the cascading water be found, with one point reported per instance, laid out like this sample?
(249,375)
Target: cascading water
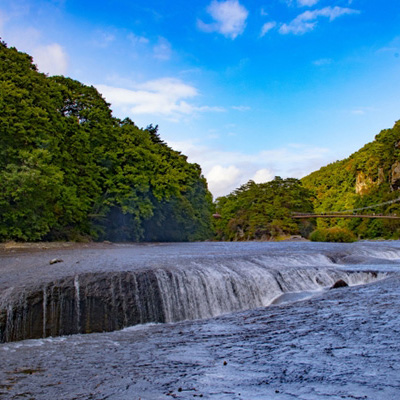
(109,300)
(78,303)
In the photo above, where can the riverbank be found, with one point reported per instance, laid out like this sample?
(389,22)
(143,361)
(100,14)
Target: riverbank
(12,246)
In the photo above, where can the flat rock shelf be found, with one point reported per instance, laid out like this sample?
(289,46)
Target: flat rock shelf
(270,328)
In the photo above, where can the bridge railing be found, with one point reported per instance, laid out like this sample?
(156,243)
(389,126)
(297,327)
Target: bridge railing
(342,215)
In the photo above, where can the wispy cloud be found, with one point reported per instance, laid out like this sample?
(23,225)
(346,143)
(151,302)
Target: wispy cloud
(301,3)
(393,47)
(51,59)
(267,27)
(229,18)
(307,3)
(241,108)
(227,170)
(103,39)
(162,50)
(362,110)
(307,21)
(167,96)
(135,39)
(322,62)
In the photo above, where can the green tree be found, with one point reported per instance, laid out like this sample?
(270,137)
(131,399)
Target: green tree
(366,178)
(69,169)
(262,211)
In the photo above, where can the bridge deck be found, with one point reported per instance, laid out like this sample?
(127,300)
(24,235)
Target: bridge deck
(305,216)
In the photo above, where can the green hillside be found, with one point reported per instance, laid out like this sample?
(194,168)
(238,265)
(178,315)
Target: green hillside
(263,211)
(369,176)
(70,170)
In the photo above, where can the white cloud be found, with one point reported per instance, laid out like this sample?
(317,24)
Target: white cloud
(166,96)
(229,16)
(137,39)
(307,21)
(392,47)
(227,170)
(24,39)
(267,27)
(241,108)
(162,50)
(223,179)
(103,39)
(307,3)
(263,175)
(362,110)
(51,59)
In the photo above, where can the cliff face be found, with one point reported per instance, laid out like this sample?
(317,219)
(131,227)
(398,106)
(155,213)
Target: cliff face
(395,176)
(363,183)
(369,176)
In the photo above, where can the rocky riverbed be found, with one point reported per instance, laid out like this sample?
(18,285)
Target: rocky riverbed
(333,344)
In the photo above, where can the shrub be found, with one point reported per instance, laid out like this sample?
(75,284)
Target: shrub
(334,234)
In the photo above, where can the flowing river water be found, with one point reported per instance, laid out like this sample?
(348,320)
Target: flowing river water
(211,320)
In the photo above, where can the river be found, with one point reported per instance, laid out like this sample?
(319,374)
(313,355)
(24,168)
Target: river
(211,320)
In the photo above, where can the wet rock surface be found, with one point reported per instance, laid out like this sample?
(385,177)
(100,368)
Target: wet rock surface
(111,288)
(339,284)
(336,346)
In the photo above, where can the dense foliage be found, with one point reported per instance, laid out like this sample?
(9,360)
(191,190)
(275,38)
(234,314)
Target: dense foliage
(368,177)
(69,169)
(263,211)
(334,234)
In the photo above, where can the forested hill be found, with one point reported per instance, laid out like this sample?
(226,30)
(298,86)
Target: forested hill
(70,170)
(369,176)
(263,211)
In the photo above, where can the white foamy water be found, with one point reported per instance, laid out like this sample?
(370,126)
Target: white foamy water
(281,333)
(204,285)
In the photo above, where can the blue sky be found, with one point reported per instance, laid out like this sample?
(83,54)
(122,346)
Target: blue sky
(249,89)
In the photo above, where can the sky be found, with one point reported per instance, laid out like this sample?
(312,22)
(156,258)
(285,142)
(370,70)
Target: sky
(248,89)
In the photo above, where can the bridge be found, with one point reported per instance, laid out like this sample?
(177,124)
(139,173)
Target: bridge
(350,213)
(340,215)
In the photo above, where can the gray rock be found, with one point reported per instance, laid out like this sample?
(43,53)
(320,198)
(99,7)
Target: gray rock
(339,284)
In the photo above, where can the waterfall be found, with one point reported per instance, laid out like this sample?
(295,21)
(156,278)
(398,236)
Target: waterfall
(106,301)
(44,310)
(78,304)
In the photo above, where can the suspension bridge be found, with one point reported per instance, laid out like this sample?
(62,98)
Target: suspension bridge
(351,213)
